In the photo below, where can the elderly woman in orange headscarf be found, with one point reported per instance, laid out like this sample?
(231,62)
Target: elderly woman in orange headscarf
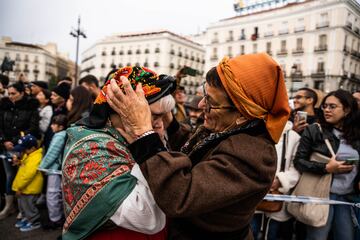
(211,186)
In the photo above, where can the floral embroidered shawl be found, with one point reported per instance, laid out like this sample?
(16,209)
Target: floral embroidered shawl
(96,178)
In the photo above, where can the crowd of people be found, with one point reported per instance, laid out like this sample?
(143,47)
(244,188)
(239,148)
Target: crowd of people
(136,158)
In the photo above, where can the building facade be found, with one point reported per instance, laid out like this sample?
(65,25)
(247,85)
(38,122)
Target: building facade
(162,51)
(317,43)
(34,62)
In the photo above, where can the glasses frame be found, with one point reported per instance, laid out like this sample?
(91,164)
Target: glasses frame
(208,106)
(330,106)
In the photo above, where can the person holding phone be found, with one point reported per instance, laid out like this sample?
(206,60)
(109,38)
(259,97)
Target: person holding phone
(340,123)
(304,112)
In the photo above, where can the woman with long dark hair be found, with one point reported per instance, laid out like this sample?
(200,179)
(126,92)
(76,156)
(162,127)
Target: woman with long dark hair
(340,124)
(18,116)
(79,104)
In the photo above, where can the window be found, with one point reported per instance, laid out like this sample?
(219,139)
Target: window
(129,52)
(156,64)
(157,50)
(113,52)
(230,36)
(242,35)
(103,65)
(138,51)
(121,52)
(120,65)
(283,45)
(254,48)
(299,43)
(320,67)
(147,51)
(268,48)
(230,51)
(323,40)
(242,49)
(172,66)
(146,64)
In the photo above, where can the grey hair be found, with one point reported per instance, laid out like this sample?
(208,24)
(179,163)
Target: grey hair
(167,103)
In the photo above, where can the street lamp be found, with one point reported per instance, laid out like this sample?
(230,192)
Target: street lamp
(77,33)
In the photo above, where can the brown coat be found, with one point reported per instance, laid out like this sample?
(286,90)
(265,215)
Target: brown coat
(215,188)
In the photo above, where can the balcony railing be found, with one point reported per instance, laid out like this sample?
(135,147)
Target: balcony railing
(356,30)
(320,48)
(319,73)
(230,39)
(348,24)
(269,52)
(283,31)
(299,29)
(215,40)
(282,52)
(298,51)
(346,49)
(323,24)
(269,34)
(242,37)
(214,57)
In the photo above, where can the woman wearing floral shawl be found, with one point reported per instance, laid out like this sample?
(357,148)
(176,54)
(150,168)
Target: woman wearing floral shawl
(102,185)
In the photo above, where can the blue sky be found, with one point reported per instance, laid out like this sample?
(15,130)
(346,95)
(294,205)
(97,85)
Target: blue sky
(42,21)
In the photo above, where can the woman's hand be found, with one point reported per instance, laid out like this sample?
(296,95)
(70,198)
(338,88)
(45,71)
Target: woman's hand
(299,125)
(334,166)
(132,107)
(275,185)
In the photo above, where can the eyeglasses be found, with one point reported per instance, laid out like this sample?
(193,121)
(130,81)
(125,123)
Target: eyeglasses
(331,106)
(208,106)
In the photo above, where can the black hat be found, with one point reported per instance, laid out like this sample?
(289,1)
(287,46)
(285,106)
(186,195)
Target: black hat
(25,142)
(63,90)
(41,84)
(154,86)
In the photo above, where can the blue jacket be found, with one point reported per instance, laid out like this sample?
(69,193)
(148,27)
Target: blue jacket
(53,158)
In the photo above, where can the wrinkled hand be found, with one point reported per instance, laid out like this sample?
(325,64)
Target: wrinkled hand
(334,166)
(8,145)
(132,107)
(299,125)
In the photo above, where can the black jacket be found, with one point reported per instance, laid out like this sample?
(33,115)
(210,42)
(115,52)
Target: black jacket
(312,140)
(23,116)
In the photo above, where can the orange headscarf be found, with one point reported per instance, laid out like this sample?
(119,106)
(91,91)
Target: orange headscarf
(255,83)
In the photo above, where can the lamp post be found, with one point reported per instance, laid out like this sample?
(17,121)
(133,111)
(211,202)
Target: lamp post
(77,33)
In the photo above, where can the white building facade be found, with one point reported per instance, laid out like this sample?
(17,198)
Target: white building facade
(162,51)
(317,43)
(33,62)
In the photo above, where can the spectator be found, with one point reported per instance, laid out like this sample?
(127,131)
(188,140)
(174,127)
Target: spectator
(28,182)
(195,114)
(18,116)
(67,80)
(91,83)
(180,99)
(356,95)
(59,96)
(79,104)
(94,143)
(45,110)
(51,165)
(340,124)
(211,188)
(37,86)
(4,81)
(305,100)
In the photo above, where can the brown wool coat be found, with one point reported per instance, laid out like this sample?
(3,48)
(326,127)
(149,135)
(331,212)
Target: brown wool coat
(220,192)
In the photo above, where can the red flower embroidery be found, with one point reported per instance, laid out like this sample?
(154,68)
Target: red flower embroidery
(69,198)
(91,171)
(114,151)
(94,148)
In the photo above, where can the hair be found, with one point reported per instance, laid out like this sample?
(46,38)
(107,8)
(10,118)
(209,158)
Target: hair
(213,79)
(82,103)
(351,128)
(19,86)
(310,94)
(167,103)
(46,92)
(67,78)
(89,79)
(4,80)
(60,120)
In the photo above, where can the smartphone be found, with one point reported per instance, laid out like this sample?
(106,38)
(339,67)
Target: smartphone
(351,161)
(302,115)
